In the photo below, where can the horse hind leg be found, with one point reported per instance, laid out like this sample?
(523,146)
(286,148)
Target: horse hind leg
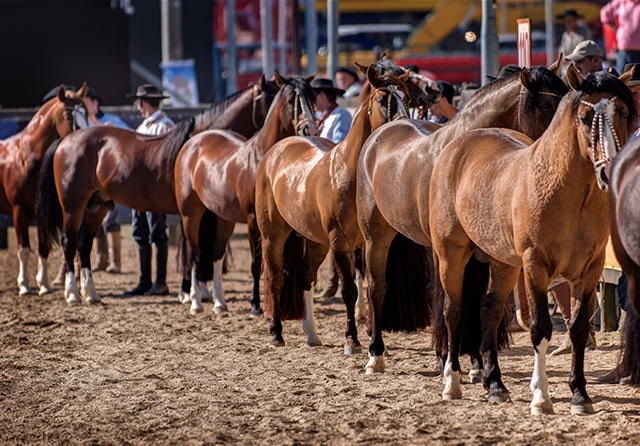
(224,230)
(349,296)
(42,276)
(361,302)
(88,229)
(314,256)
(21,225)
(581,404)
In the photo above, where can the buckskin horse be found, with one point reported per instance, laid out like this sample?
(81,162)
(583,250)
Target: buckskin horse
(92,167)
(541,206)
(215,172)
(20,159)
(305,204)
(393,220)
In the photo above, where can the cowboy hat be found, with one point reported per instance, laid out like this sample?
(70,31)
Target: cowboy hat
(326,85)
(147,91)
(635,75)
(570,12)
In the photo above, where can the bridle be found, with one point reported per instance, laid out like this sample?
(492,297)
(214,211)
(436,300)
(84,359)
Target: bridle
(394,93)
(603,132)
(523,90)
(78,116)
(307,125)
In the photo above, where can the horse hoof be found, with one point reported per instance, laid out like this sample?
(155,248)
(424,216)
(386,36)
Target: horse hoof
(24,290)
(350,349)
(374,365)
(582,409)
(546,409)
(475,376)
(256,312)
(499,397)
(314,342)
(44,290)
(73,299)
(195,310)
(221,310)
(184,298)
(450,395)
(277,343)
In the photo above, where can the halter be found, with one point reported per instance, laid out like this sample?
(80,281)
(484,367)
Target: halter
(523,90)
(253,110)
(602,131)
(308,123)
(394,93)
(78,114)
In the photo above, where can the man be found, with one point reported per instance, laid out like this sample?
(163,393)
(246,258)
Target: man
(444,109)
(572,36)
(347,80)
(586,58)
(624,17)
(148,227)
(334,123)
(108,239)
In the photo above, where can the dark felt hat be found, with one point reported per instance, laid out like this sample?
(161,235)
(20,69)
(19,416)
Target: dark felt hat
(570,13)
(635,78)
(348,71)
(91,93)
(506,71)
(323,84)
(149,91)
(448,91)
(54,92)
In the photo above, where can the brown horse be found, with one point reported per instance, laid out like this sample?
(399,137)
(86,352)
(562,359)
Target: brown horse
(305,194)
(20,159)
(539,206)
(96,165)
(215,171)
(392,214)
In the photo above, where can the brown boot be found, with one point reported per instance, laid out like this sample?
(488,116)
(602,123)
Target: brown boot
(114,240)
(102,250)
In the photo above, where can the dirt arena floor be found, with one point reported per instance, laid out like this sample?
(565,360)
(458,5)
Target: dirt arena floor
(143,371)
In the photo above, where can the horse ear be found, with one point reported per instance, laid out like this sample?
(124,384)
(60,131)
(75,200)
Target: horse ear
(61,94)
(555,66)
(525,77)
(310,78)
(280,81)
(262,82)
(362,68)
(372,76)
(574,79)
(83,90)
(629,74)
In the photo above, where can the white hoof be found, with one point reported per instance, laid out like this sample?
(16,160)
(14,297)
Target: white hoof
(90,296)
(475,376)
(541,405)
(184,297)
(374,365)
(220,310)
(24,290)
(44,290)
(314,341)
(452,393)
(73,298)
(195,308)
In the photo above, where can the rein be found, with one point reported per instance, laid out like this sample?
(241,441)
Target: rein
(602,131)
(394,93)
(307,125)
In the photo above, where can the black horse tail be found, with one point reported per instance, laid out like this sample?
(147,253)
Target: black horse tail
(631,346)
(49,210)
(291,296)
(474,287)
(407,305)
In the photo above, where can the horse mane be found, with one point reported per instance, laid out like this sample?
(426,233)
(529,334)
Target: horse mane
(206,120)
(300,83)
(174,142)
(603,81)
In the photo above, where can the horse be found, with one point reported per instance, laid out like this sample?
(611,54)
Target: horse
(215,173)
(305,195)
(541,206)
(20,159)
(90,169)
(393,219)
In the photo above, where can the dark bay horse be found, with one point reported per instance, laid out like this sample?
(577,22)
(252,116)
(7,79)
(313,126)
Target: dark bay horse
(99,164)
(305,195)
(393,219)
(539,206)
(20,159)
(215,172)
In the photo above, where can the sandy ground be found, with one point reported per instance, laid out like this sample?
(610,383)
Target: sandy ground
(143,371)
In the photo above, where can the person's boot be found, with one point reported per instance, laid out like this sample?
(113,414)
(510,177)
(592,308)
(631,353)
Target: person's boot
(145,271)
(102,250)
(114,240)
(332,282)
(160,287)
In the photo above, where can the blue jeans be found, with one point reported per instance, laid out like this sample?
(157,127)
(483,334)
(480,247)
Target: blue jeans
(148,227)
(625,57)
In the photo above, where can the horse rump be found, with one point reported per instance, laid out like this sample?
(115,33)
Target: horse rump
(407,305)
(291,302)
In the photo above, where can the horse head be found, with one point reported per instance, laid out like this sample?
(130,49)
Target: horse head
(295,103)
(540,95)
(264,93)
(387,96)
(70,109)
(605,110)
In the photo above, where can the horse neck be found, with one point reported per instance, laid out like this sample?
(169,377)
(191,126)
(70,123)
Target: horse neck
(236,116)
(351,145)
(493,108)
(40,132)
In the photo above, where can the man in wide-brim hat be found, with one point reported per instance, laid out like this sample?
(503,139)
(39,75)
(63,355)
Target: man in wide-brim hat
(572,36)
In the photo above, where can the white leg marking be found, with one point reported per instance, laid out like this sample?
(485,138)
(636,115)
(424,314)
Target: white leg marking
(541,402)
(23,281)
(374,365)
(361,302)
(220,305)
(451,379)
(71,293)
(87,287)
(196,302)
(309,323)
(42,276)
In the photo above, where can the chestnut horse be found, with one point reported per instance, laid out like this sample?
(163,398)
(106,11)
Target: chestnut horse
(215,171)
(20,159)
(393,220)
(91,167)
(539,206)
(305,194)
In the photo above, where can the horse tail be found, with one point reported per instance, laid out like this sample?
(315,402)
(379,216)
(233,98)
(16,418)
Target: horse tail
(49,210)
(291,296)
(206,241)
(407,306)
(631,355)
(440,338)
